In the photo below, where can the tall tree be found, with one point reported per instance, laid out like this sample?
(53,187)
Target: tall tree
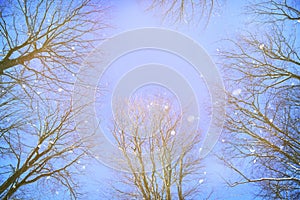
(159,152)
(42,45)
(262,127)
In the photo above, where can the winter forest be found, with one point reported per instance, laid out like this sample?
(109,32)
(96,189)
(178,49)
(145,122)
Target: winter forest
(149,99)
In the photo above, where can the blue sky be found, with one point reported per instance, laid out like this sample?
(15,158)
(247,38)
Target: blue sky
(132,14)
(126,15)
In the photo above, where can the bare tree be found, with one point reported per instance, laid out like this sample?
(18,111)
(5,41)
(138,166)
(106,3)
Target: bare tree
(160,154)
(47,39)
(42,45)
(262,127)
(274,11)
(39,147)
(186,11)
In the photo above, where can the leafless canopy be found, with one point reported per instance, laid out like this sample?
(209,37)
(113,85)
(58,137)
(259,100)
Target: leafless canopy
(39,149)
(42,44)
(263,117)
(185,11)
(46,38)
(159,152)
(274,10)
